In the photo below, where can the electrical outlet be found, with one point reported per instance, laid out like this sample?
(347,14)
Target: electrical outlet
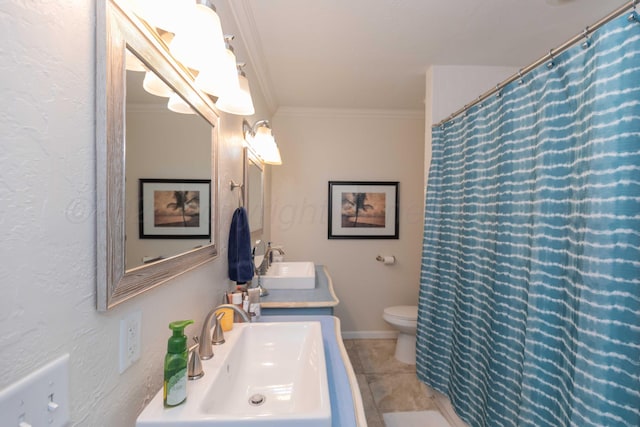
(39,399)
(130,341)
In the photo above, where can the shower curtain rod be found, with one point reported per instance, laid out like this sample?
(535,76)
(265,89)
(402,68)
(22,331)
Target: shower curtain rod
(553,52)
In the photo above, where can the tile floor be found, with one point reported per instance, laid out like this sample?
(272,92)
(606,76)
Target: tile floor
(386,384)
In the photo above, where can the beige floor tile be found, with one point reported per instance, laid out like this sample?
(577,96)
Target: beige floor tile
(377,357)
(352,352)
(400,392)
(374,418)
(386,385)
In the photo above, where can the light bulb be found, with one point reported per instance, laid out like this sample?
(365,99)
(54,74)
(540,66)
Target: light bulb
(199,44)
(239,100)
(166,14)
(179,105)
(132,62)
(220,79)
(265,145)
(155,86)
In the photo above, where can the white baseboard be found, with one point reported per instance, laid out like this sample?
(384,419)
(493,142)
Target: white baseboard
(369,335)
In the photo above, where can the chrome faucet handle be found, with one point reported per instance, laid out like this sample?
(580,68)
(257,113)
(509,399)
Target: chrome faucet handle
(218,335)
(194,370)
(206,347)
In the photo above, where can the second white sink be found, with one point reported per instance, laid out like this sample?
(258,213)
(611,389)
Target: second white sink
(290,275)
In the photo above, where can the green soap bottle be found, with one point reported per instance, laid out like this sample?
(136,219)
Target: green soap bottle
(175,365)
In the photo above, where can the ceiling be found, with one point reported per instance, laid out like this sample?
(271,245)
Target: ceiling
(372,54)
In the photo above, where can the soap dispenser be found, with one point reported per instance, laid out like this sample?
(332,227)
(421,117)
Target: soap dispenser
(175,365)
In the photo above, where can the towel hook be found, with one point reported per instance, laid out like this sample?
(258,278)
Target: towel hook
(233,186)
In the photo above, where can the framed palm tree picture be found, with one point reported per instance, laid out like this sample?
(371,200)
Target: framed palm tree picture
(175,209)
(363,210)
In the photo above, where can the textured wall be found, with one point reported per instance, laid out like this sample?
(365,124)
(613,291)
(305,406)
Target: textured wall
(47,218)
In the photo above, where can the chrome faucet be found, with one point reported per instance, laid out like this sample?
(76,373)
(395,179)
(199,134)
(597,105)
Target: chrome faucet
(261,270)
(270,252)
(206,348)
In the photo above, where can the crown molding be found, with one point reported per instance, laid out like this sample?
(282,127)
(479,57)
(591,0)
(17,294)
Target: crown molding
(245,21)
(349,113)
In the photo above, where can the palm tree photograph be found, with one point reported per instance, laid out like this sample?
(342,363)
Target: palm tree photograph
(176,208)
(363,209)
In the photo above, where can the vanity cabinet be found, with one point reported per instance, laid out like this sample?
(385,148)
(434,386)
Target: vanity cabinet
(317,301)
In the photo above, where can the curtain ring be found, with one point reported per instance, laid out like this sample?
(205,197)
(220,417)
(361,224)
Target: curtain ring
(632,16)
(550,64)
(521,78)
(498,93)
(587,40)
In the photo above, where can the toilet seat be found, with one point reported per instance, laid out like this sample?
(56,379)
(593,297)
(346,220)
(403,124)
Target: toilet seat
(402,312)
(402,315)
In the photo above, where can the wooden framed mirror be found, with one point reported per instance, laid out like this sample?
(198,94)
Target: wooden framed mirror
(119,278)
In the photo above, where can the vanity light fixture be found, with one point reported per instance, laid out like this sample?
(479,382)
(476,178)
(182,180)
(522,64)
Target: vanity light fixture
(166,14)
(155,86)
(132,63)
(179,105)
(259,138)
(199,43)
(220,79)
(238,101)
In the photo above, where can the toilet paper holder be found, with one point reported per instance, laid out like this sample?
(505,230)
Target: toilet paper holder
(387,260)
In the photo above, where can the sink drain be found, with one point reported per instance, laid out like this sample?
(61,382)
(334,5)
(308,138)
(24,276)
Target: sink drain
(257,399)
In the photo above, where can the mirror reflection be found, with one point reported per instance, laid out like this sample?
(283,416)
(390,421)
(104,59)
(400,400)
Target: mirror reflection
(258,253)
(254,188)
(161,144)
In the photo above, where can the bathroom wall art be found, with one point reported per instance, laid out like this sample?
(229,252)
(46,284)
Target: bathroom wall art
(363,210)
(175,208)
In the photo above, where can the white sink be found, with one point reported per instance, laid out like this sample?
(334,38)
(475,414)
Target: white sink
(280,363)
(290,275)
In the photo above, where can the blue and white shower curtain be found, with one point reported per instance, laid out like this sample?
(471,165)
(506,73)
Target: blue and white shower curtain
(529,309)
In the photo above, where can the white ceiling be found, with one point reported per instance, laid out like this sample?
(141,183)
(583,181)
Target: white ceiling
(373,53)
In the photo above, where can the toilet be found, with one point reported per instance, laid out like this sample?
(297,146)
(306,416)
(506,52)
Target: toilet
(405,319)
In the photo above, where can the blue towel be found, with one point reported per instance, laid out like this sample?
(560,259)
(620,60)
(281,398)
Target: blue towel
(240,262)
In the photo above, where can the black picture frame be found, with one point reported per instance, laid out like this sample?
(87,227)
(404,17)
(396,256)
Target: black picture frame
(363,210)
(174,208)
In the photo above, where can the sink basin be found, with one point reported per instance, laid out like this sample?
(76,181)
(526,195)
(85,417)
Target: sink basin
(264,375)
(290,275)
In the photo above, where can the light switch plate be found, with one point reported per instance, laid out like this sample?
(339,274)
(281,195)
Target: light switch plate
(39,399)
